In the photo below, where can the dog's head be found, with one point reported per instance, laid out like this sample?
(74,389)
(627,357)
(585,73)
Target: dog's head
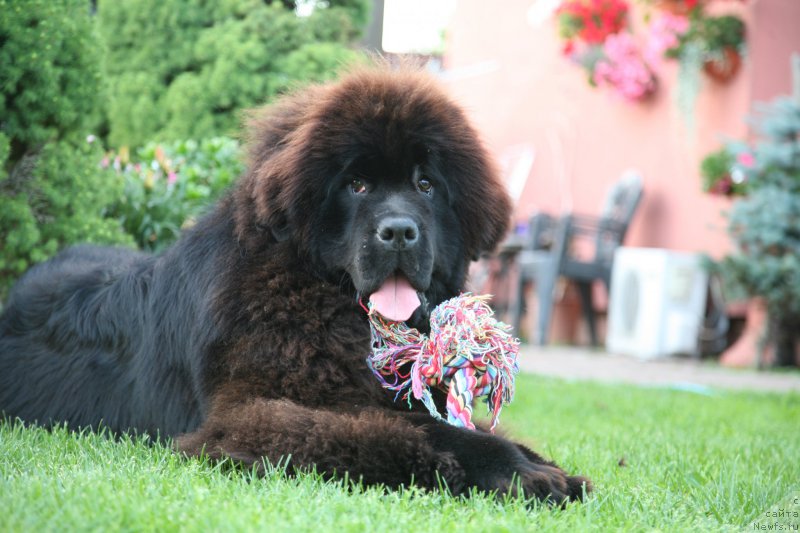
(377,179)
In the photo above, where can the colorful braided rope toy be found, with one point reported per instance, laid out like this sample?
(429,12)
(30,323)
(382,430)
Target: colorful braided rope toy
(468,353)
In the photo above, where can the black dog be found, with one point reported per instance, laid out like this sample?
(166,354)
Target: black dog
(246,338)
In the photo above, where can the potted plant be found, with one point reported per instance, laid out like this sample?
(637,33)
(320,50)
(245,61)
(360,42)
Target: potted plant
(765,225)
(720,175)
(677,7)
(715,42)
(724,40)
(700,43)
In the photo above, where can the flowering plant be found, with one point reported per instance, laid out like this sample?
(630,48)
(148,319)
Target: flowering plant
(594,35)
(664,34)
(590,21)
(711,35)
(723,174)
(623,68)
(167,185)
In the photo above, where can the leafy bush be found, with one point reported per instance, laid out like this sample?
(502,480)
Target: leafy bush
(60,199)
(715,167)
(183,69)
(50,72)
(313,62)
(166,186)
(718,175)
(53,192)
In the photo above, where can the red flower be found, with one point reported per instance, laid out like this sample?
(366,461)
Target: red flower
(592,20)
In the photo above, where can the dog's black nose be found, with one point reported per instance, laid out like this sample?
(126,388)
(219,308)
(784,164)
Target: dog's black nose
(398,232)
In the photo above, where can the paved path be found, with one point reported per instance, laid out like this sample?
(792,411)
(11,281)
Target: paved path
(585,364)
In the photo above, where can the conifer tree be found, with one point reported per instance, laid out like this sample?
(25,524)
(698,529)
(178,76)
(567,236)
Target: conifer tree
(765,223)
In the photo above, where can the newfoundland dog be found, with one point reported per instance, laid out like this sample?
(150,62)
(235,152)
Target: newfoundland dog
(246,339)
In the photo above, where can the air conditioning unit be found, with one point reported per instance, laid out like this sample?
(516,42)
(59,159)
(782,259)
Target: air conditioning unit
(657,303)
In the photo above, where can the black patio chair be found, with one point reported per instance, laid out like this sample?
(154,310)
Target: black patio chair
(549,253)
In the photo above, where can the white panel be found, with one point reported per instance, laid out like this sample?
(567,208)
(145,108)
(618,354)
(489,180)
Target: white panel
(657,302)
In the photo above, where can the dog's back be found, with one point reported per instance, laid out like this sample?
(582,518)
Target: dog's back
(58,362)
(75,332)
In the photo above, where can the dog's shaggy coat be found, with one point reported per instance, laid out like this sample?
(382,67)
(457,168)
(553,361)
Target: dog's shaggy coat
(246,339)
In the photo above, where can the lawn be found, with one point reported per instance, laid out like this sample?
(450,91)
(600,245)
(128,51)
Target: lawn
(660,459)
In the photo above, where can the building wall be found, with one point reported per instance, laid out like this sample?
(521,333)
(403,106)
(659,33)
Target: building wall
(526,98)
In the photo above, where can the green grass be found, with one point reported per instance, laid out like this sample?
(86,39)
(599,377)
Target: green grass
(690,462)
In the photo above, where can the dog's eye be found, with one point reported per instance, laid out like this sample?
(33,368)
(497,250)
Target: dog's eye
(424,185)
(358,186)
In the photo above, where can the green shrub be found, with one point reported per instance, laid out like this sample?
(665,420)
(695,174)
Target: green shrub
(53,192)
(314,62)
(61,200)
(183,69)
(166,186)
(716,172)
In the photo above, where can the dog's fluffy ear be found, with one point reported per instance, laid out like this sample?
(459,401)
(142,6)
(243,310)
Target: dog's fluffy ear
(267,197)
(482,202)
(489,214)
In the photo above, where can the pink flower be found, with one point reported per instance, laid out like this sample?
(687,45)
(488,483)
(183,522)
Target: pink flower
(623,68)
(171,178)
(746,159)
(663,34)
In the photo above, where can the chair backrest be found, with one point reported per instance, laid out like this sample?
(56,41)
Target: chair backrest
(620,205)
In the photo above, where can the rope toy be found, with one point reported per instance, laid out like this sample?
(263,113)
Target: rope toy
(468,353)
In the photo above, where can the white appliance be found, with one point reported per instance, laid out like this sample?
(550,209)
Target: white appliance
(657,302)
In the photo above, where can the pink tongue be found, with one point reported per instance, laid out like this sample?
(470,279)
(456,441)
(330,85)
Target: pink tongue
(396,299)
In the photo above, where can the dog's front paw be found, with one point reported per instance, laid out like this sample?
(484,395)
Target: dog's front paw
(550,484)
(498,466)
(544,482)
(576,486)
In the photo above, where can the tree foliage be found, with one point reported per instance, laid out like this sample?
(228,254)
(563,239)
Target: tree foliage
(50,72)
(52,191)
(181,69)
(137,72)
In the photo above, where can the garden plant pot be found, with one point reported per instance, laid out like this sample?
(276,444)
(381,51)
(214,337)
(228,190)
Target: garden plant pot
(675,7)
(724,67)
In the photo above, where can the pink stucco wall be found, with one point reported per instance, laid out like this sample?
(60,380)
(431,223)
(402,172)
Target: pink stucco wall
(524,95)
